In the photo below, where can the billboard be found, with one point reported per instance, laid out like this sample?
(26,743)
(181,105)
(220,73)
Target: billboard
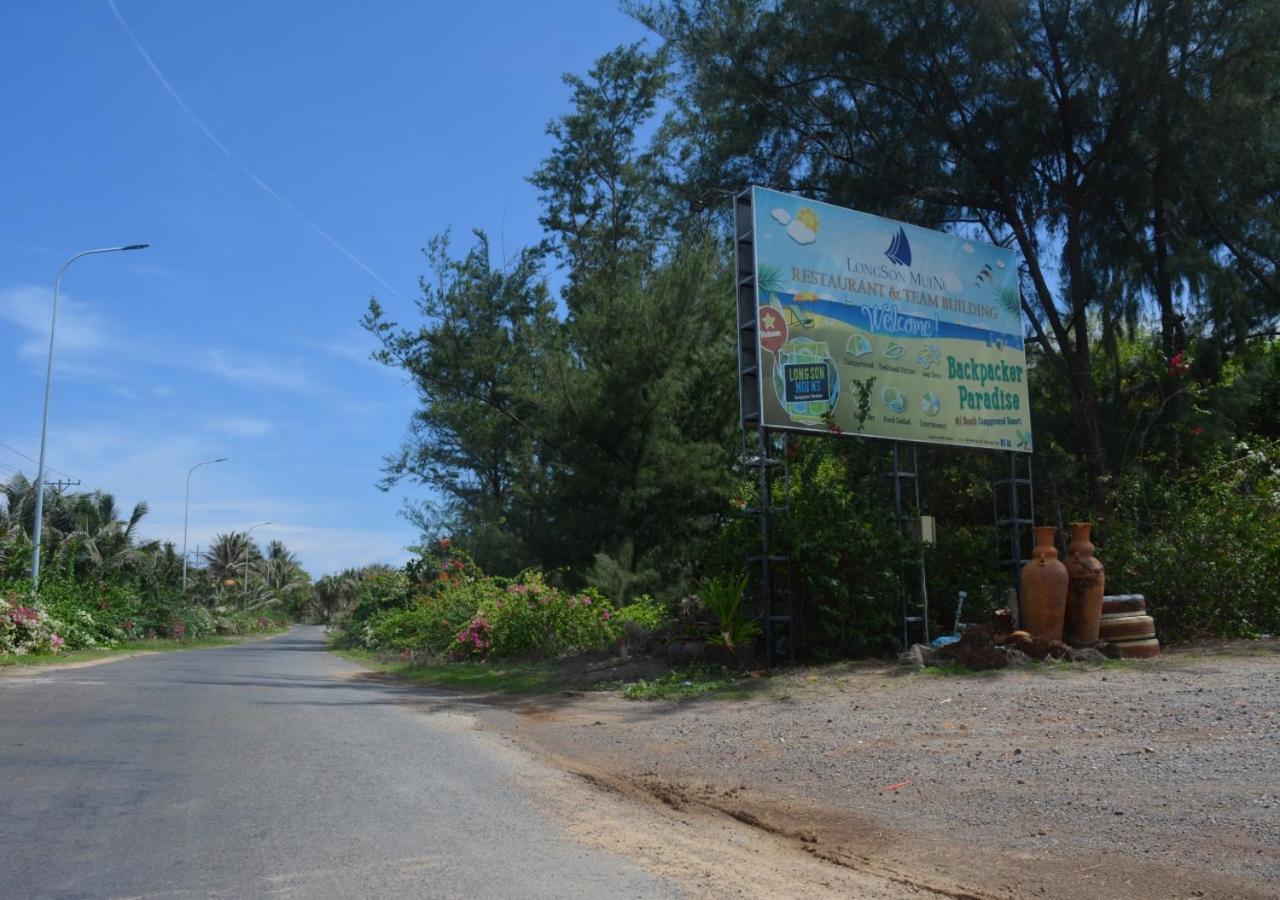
(933,320)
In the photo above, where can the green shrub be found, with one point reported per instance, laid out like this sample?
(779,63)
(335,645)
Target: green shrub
(88,614)
(379,592)
(840,533)
(723,598)
(1205,548)
(644,612)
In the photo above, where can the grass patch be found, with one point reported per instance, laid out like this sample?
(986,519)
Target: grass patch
(146,645)
(687,682)
(534,677)
(1114,664)
(553,676)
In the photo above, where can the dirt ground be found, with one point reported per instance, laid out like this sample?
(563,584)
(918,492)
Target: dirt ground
(1151,779)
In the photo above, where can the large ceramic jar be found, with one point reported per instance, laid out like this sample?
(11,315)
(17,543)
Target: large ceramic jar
(1044,588)
(1084,596)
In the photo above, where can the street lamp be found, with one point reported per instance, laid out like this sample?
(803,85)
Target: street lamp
(245,595)
(48,384)
(186,510)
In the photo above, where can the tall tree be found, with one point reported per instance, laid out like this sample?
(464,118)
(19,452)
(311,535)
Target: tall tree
(643,381)
(475,362)
(605,429)
(1019,119)
(601,186)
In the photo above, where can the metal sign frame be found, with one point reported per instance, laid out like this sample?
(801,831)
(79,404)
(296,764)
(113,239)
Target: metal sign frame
(776,602)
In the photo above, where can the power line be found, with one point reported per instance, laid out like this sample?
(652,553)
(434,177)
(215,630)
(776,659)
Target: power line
(13,449)
(164,82)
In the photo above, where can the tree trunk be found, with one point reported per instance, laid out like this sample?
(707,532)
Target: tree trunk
(1091,444)
(1079,359)
(1163,277)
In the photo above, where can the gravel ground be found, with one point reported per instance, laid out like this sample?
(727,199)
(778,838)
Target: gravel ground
(1152,779)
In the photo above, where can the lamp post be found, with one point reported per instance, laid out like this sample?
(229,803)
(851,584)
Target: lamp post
(244,600)
(186,510)
(44,425)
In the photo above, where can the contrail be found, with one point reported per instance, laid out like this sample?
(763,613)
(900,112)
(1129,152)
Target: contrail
(146,57)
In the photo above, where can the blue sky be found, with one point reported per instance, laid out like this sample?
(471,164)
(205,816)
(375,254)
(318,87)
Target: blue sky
(236,334)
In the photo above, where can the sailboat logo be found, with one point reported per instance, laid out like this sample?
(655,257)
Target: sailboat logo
(899,251)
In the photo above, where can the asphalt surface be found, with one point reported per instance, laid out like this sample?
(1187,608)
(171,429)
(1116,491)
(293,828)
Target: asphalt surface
(265,770)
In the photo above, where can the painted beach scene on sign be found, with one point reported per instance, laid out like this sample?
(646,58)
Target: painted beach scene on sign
(930,322)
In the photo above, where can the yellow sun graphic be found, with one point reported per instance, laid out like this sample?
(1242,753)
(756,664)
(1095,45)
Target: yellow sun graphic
(808,218)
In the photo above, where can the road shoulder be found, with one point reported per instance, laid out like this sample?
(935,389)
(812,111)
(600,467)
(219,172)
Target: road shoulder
(1056,783)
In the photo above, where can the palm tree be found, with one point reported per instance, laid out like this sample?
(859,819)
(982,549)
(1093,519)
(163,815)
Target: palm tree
(282,574)
(20,503)
(89,533)
(226,556)
(335,594)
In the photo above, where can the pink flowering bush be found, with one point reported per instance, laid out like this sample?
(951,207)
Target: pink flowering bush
(473,642)
(443,605)
(26,629)
(532,618)
(431,622)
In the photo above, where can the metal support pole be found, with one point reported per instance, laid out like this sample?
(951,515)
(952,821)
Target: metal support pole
(44,421)
(1018,516)
(186,512)
(897,524)
(1015,537)
(924,577)
(766,582)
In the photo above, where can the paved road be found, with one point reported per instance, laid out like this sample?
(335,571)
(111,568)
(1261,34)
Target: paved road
(261,770)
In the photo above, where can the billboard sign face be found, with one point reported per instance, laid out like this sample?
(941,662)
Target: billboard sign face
(934,319)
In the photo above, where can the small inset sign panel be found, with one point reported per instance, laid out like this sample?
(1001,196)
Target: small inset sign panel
(807,381)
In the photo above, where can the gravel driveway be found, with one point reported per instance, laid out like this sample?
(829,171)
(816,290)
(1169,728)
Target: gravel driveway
(1151,779)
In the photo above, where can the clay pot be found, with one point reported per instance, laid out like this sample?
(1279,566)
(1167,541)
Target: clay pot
(1127,628)
(1141,649)
(1124,605)
(1084,596)
(1044,583)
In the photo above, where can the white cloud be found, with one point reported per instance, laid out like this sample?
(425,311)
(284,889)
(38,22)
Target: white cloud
(322,550)
(241,426)
(81,331)
(967,248)
(135,466)
(259,373)
(781,216)
(1000,264)
(357,348)
(801,233)
(86,346)
(326,550)
(351,352)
